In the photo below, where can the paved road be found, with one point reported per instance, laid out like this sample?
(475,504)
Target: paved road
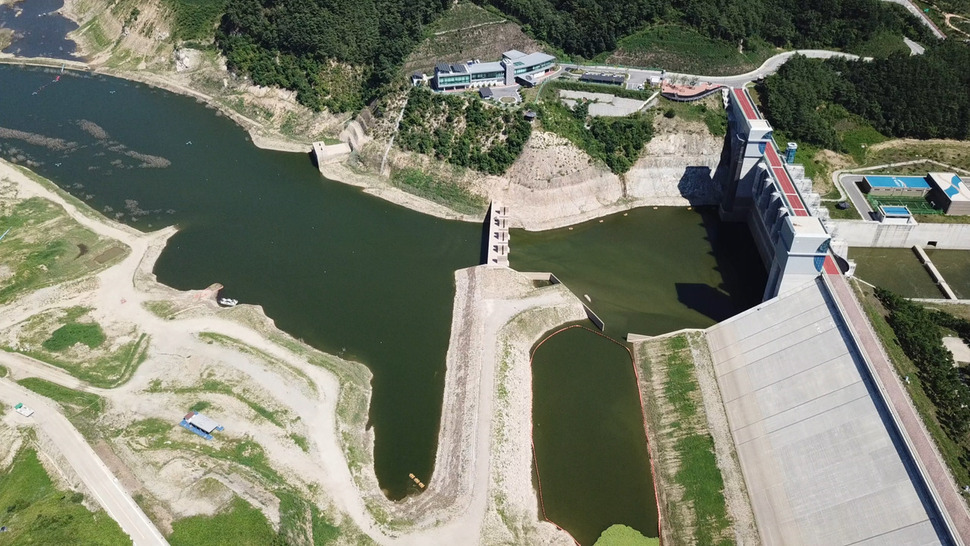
(639,76)
(848,182)
(914,48)
(921,16)
(913,431)
(85,462)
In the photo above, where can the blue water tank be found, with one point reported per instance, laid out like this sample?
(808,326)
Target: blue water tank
(790,152)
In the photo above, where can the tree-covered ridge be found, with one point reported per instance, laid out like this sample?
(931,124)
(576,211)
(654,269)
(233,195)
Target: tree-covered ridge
(921,338)
(920,96)
(335,54)
(590,27)
(464,132)
(617,142)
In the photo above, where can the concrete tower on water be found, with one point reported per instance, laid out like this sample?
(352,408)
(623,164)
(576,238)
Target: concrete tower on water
(790,227)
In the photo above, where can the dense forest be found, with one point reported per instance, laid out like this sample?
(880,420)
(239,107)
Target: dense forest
(590,27)
(464,132)
(919,96)
(334,54)
(339,55)
(920,334)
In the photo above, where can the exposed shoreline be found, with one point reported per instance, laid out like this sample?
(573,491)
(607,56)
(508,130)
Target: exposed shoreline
(474,479)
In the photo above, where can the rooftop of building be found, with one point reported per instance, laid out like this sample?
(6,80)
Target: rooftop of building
(807,224)
(895,211)
(952,185)
(891,181)
(603,78)
(531,59)
(202,422)
(481,68)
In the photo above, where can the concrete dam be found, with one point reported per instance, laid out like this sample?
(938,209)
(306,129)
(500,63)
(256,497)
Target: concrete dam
(830,446)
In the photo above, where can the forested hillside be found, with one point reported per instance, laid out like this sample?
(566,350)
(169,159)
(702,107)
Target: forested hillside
(594,26)
(922,96)
(463,131)
(334,54)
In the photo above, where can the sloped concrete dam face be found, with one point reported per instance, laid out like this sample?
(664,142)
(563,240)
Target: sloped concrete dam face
(821,460)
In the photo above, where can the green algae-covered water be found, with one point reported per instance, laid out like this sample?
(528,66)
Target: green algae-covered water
(650,271)
(591,448)
(647,271)
(954,265)
(899,270)
(348,273)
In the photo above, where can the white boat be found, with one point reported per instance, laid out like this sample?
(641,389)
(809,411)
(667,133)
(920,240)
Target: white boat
(228,302)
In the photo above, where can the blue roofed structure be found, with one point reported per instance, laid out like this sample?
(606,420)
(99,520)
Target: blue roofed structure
(895,214)
(902,186)
(950,193)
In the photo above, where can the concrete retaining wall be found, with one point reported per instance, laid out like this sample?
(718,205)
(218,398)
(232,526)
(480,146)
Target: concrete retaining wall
(874,234)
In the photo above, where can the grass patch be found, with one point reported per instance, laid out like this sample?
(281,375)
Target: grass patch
(161,309)
(703,484)
(680,379)
(679,49)
(714,118)
(93,32)
(240,525)
(82,409)
(949,152)
(617,142)
(45,246)
(196,19)
(87,333)
(36,512)
(100,369)
(881,45)
(856,136)
(301,441)
(3,371)
(269,359)
(218,387)
(686,459)
(200,406)
(462,16)
(444,193)
(838,214)
(301,522)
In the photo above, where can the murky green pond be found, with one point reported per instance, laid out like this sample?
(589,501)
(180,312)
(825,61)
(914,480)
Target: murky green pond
(954,265)
(591,448)
(899,270)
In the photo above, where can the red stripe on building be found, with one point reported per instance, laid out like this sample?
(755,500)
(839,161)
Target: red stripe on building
(745,102)
(787,186)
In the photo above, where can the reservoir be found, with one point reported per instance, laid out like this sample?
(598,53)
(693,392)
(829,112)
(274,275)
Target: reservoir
(348,273)
(646,271)
(38,30)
